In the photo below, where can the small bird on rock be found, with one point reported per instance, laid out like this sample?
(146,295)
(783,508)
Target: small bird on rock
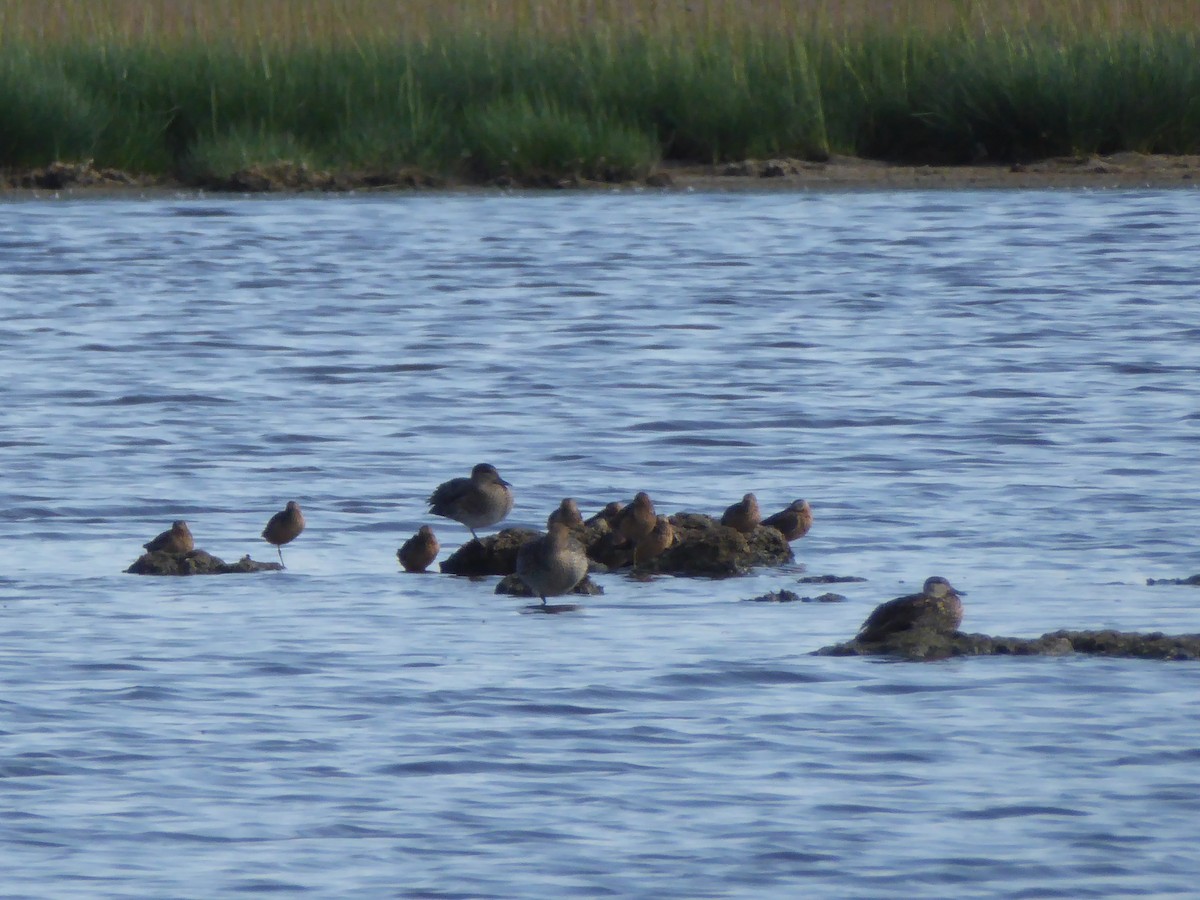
(660,538)
(284,527)
(938,607)
(606,515)
(744,515)
(477,502)
(176,540)
(636,520)
(568,513)
(793,522)
(552,564)
(419,551)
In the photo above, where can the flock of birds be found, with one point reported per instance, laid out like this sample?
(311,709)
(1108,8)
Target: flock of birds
(554,563)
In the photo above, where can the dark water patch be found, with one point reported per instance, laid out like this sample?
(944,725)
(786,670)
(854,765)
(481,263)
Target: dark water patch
(153,399)
(108,667)
(268,886)
(560,709)
(201,211)
(1159,757)
(1019,811)
(700,441)
(718,677)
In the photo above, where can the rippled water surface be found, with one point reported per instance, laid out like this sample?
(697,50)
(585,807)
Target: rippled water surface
(1000,388)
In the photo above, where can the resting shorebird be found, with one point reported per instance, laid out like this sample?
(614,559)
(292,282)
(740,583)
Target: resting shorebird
(744,515)
(606,515)
(481,500)
(636,520)
(794,521)
(661,536)
(567,513)
(285,526)
(937,607)
(176,540)
(553,563)
(419,551)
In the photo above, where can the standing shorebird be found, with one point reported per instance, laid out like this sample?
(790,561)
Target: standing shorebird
(285,526)
(636,520)
(793,522)
(568,513)
(553,563)
(743,516)
(419,551)
(177,539)
(937,607)
(477,502)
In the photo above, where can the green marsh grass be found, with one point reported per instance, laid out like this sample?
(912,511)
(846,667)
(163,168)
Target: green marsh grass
(602,89)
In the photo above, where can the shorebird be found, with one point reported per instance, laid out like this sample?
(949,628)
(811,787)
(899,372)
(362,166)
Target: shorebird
(607,515)
(636,520)
(937,607)
(284,527)
(661,536)
(553,563)
(481,500)
(419,551)
(793,522)
(177,539)
(567,513)
(743,516)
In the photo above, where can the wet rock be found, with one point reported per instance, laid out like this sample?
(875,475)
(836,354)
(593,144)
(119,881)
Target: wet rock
(786,596)
(195,562)
(495,554)
(776,597)
(829,579)
(513,586)
(704,547)
(1193,580)
(926,644)
(59,175)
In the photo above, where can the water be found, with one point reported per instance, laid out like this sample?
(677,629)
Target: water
(995,387)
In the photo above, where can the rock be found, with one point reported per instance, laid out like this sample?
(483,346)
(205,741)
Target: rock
(785,596)
(195,562)
(495,554)
(828,579)
(925,644)
(704,547)
(513,586)
(776,597)
(1193,580)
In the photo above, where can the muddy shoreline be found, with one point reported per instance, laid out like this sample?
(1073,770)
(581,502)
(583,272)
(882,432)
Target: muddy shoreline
(1119,171)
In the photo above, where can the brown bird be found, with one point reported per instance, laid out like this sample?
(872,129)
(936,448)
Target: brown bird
(937,607)
(793,522)
(553,563)
(285,526)
(636,520)
(419,551)
(660,538)
(177,540)
(743,516)
(607,515)
(477,502)
(567,513)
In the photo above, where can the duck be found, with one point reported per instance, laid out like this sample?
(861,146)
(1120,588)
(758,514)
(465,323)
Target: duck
(792,522)
(553,563)
(175,540)
(479,501)
(744,515)
(937,607)
(419,551)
